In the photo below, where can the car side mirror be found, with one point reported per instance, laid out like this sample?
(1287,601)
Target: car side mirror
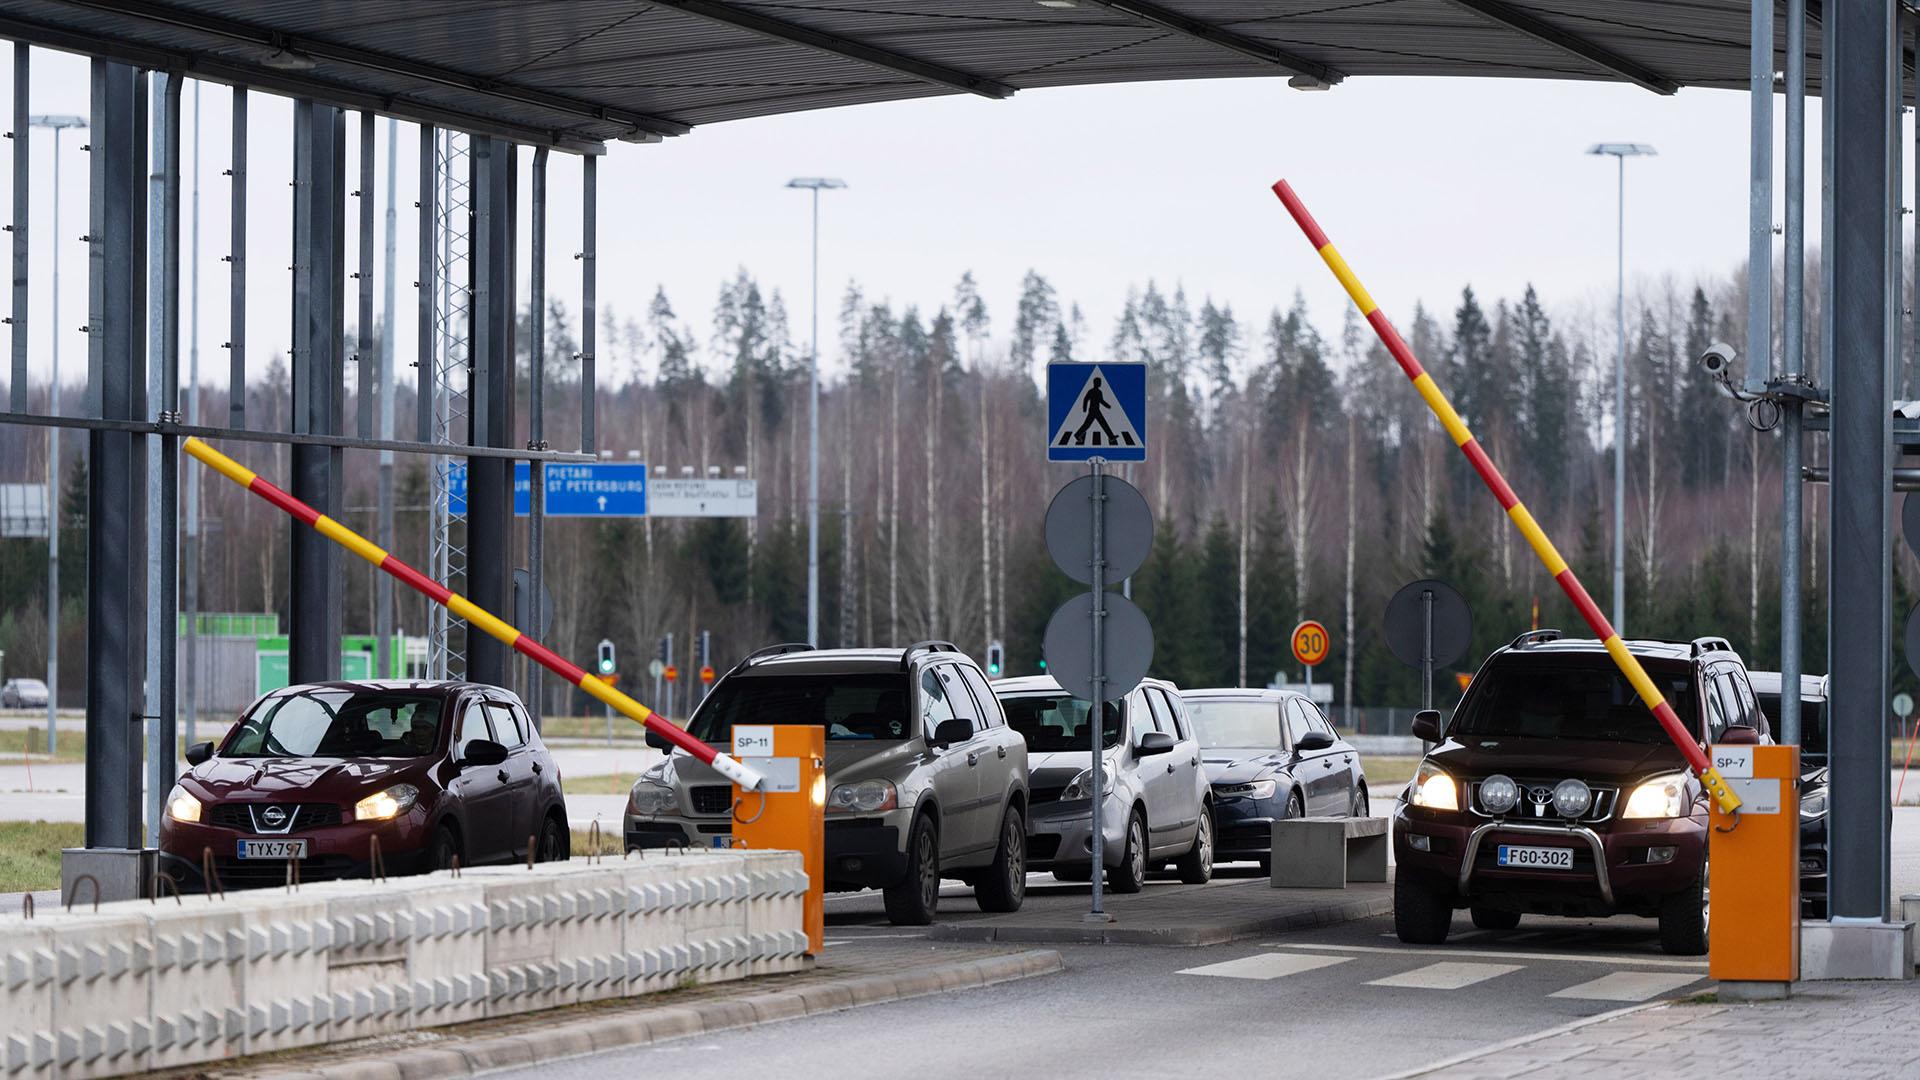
(199,752)
(1314,740)
(1152,743)
(483,752)
(1426,725)
(952,732)
(658,741)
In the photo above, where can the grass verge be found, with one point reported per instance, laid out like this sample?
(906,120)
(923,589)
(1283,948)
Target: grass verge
(603,784)
(30,852)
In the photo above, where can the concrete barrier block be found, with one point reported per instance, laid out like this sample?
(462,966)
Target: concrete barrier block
(88,997)
(26,998)
(275,971)
(193,978)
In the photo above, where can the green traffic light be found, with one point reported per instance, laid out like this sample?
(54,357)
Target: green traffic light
(606,667)
(1043,665)
(993,669)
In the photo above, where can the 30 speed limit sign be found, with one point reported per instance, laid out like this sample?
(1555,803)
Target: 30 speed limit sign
(1310,642)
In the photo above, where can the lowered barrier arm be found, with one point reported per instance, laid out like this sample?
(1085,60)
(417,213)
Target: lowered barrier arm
(1710,778)
(747,778)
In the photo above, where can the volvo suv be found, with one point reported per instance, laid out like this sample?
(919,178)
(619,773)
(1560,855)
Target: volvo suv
(1555,791)
(926,780)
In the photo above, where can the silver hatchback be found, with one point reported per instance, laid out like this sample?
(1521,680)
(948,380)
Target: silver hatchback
(1158,806)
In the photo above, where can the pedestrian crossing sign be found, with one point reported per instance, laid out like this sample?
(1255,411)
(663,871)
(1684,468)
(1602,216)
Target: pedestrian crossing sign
(1096,411)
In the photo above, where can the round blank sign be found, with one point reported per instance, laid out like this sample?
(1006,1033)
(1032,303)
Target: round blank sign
(1125,540)
(1407,622)
(1127,651)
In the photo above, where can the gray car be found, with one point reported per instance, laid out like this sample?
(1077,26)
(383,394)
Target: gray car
(925,779)
(1157,810)
(23,694)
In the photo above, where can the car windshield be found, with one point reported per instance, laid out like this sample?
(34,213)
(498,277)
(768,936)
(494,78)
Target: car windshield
(1235,723)
(1056,722)
(34,685)
(850,707)
(1564,701)
(331,722)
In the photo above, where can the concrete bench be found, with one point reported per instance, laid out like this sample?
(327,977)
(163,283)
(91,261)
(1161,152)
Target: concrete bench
(1327,852)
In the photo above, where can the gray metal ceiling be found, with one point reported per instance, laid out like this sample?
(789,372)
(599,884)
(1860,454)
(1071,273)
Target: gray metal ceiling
(575,72)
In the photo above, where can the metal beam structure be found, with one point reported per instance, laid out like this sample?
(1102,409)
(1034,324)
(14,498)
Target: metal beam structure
(237,268)
(490,479)
(1792,369)
(22,136)
(1539,29)
(589,279)
(428,242)
(1759,196)
(115,381)
(1200,30)
(365,361)
(536,420)
(319,176)
(845,47)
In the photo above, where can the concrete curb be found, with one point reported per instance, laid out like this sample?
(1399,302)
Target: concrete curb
(1190,936)
(454,1056)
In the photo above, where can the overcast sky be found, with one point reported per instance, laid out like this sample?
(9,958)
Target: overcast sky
(1425,185)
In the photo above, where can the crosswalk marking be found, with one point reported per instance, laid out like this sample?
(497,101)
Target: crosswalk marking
(1446,975)
(1585,958)
(1267,966)
(1627,986)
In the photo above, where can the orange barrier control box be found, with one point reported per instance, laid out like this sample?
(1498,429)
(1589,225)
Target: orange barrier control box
(792,757)
(1754,868)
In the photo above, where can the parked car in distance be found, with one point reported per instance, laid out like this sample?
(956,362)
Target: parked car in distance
(1813,780)
(1555,791)
(1156,809)
(315,773)
(1271,754)
(925,779)
(23,694)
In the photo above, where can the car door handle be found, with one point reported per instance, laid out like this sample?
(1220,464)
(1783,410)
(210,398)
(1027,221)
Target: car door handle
(537,769)
(973,757)
(502,774)
(1169,766)
(1003,751)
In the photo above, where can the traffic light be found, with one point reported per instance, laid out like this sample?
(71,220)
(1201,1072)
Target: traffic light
(606,657)
(1043,665)
(996,659)
(665,650)
(706,649)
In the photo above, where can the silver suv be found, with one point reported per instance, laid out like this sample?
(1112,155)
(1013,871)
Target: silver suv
(925,778)
(1158,807)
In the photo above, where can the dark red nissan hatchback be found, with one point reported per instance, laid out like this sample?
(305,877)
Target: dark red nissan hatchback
(312,774)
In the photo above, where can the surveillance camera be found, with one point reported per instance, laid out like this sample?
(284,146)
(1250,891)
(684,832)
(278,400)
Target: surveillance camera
(1717,360)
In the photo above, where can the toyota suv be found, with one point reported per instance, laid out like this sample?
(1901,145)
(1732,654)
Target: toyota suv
(1555,791)
(925,778)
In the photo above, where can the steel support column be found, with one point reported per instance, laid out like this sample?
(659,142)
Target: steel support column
(1793,366)
(1858,87)
(490,480)
(22,140)
(365,361)
(319,179)
(589,227)
(163,504)
(424,330)
(383,583)
(536,423)
(237,268)
(115,379)
(1760,197)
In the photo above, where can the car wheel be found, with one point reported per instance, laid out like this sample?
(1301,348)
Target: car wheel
(1196,866)
(1296,805)
(1422,907)
(1003,886)
(1683,919)
(444,850)
(915,899)
(1492,919)
(1358,807)
(553,842)
(1131,875)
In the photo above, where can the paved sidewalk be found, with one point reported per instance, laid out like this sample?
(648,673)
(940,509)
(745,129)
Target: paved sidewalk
(1859,1030)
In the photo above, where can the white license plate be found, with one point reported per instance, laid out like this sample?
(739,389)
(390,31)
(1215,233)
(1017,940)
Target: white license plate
(273,849)
(1536,858)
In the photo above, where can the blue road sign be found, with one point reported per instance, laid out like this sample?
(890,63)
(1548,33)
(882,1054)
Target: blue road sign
(596,489)
(1097,411)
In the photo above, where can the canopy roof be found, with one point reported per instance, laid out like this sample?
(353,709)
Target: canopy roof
(576,72)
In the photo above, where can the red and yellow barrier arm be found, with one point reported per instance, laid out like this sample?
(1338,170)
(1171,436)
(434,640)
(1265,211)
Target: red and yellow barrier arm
(1457,429)
(749,779)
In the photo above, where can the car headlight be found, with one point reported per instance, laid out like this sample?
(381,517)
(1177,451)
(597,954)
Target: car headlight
(1253,789)
(182,806)
(1081,786)
(864,797)
(386,805)
(1814,806)
(1662,796)
(648,798)
(1572,798)
(1499,794)
(1433,789)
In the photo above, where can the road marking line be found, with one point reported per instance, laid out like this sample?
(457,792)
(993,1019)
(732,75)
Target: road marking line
(1446,975)
(1627,986)
(1267,966)
(1584,958)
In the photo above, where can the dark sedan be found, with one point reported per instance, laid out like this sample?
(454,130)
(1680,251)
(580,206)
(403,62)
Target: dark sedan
(1813,779)
(1270,754)
(314,774)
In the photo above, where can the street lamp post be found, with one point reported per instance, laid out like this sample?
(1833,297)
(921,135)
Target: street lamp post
(57,124)
(814,184)
(1621,152)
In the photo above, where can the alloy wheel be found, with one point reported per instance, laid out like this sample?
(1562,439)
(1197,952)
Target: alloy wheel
(929,870)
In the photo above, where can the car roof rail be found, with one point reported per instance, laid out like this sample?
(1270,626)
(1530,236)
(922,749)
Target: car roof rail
(1711,644)
(930,645)
(1534,637)
(770,650)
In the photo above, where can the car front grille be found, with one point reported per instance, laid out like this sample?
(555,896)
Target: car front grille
(1048,794)
(1528,809)
(246,816)
(712,799)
